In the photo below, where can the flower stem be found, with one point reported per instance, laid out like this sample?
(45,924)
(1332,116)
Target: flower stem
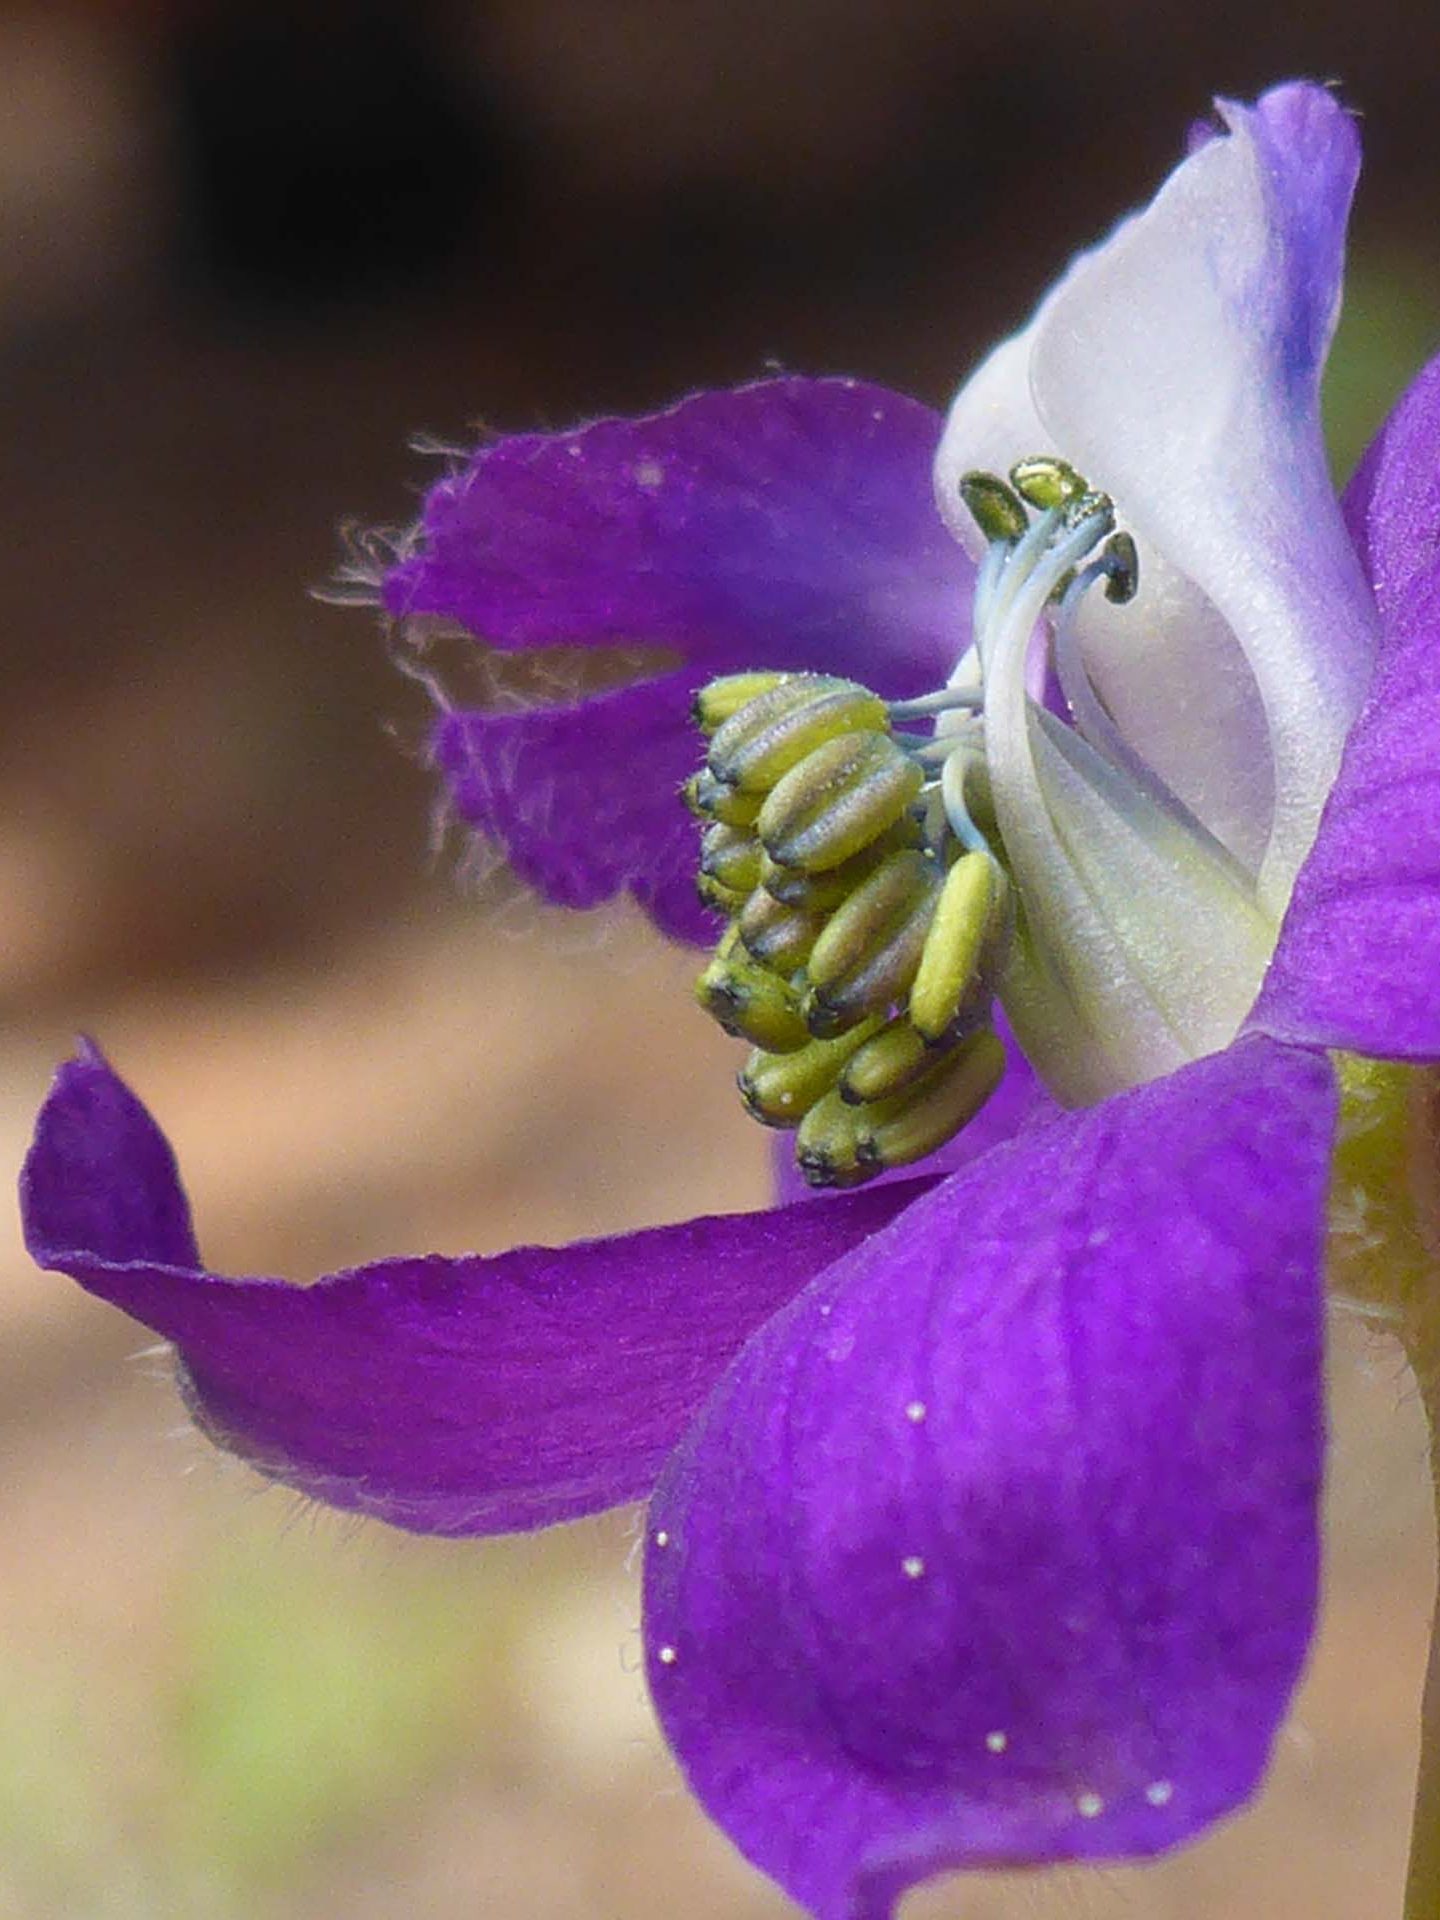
(1385,1251)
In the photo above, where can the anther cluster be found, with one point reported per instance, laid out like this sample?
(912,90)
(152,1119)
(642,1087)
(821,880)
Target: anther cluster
(863,935)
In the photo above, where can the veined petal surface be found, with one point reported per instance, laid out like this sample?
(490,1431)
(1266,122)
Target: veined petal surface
(446,1395)
(790,523)
(999,1545)
(1177,365)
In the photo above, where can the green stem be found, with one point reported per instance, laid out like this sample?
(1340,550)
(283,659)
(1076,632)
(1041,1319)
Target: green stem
(1385,1250)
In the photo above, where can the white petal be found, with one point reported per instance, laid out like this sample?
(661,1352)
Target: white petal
(1177,367)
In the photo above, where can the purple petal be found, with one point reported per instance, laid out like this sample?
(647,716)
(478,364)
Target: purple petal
(448,1395)
(1392,505)
(790,524)
(1359,952)
(1017,1104)
(999,1545)
(557,787)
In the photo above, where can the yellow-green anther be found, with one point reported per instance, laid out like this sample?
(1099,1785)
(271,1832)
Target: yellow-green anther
(838,800)
(993,507)
(731,856)
(714,893)
(820,892)
(715,703)
(865,959)
(965,917)
(750,1001)
(899,1131)
(893,1060)
(778,936)
(1045,482)
(772,733)
(779,1089)
(1122,568)
(711,799)
(827,1146)
(690,794)
(1091,504)
(840,1145)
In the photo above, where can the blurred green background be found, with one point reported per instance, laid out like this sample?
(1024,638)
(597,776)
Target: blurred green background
(245,252)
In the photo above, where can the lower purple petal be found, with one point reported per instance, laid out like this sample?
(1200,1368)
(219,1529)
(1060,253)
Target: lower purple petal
(1358,957)
(999,1545)
(447,1395)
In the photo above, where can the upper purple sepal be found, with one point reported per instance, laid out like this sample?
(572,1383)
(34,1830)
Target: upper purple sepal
(787,524)
(447,1395)
(999,1545)
(1358,959)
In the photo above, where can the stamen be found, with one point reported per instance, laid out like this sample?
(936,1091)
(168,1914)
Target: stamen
(845,840)
(957,812)
(869,915)
(947,700)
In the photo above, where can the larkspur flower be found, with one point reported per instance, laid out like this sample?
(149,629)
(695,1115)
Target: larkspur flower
(982,1523)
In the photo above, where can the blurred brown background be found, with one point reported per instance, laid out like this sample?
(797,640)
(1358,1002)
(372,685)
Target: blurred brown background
(245,253)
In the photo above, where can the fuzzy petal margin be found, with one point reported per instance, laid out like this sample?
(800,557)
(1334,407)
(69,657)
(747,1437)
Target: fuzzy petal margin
(446,1395)
(790,523)
(1358,960)
(999,1546)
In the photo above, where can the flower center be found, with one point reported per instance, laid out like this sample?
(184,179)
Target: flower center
(882,865)
(867,917)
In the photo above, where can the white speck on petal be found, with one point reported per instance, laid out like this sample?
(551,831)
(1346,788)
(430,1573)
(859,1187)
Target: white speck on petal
(662,1538)
(912,1566)
(1089,1805)
(667,1656)
(649,473)
(1160,1793)
(997,1742)
(573,448)
(877,413)
(916,1412)
(1099,1237)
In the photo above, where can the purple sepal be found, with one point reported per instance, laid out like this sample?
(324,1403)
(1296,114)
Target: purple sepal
(999,1545)
(790,523)
(1358,959)
(1392,505)
(447,1395)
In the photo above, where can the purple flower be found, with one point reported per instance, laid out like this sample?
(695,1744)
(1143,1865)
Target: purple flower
(983,1505)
